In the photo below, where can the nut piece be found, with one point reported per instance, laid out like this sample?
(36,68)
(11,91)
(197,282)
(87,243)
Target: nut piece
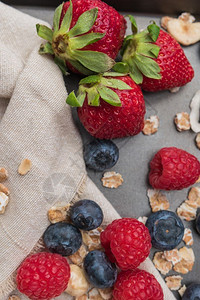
(4,189)
(182,121)
(188,238)
(92,239)
(187,261)
(186,212)
(78,257)
(157,200)
(24,166)
(182,290)
(172,256)
(182,29)
(106,294)
(194,197)
(143,219)
(3,174)
(194,113)
(94,295)
(173,282)
(3,202)
(14,297)
(151,125)
(161,263)
(58,213)
(77,285)
(112,180)
(197,140)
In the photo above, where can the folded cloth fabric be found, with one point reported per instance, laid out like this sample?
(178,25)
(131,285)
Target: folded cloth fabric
(37,124)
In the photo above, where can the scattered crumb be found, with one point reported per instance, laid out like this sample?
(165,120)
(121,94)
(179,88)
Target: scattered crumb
(187,261)
(106,294)
(94,295)
(182,290)
(4,199)
(143,220)
(172,256)
(188,237)
(194,197)
(151,125)
(77,285)
(3,174)
(14,297)
(175,89)
(187,254)
(78,257)
(4,189)
(92,239)
(24,167)
(198,180)
(173,282)
(157,200)
(186,17)
(182,121)
(186,212)
(161,263)
(58,213)
(84,297)
(112,179)
(197,140)
(194,113)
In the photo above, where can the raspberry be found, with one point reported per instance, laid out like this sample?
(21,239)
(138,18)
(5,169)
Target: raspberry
(127,242)
(173,169)
(43,276)
(137,284)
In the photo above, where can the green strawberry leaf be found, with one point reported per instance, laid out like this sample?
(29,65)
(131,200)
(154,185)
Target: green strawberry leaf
(77,65)
(61,64)
(115,83)
(56,18)
(90,79)
(97,62)
(133,24)
(154,31)
(126,42)
(74,101)
(147,66)
(121,67)
(148,49)
(135,74)
(113,74)
(66,22)
(84,40)
(109,96)
(44,32)
(46,49)
(84,22)
(93,96)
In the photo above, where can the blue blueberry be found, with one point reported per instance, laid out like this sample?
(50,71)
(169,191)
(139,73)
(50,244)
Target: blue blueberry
(198,223)
(100,155)
(62,238)
(99,270)
(166,229)
(86,214)
(192,292)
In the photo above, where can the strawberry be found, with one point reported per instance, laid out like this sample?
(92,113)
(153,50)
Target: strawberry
(109,105)
(155,59)
(86,36)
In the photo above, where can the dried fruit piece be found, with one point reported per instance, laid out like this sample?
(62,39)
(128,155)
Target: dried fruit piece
(14,297)
(151,125)
(4,199)
(92,239)
(194,113)
(112,179)
(197,140)
(188,237)
(94,295)
(3,176)
(182,290)
(182,121)
(58,213)
(186,212)
(187,261)
(161,263)
(78,257)
(173,282)
(77,285)
(106,294)
(157,200)
(24,166)
(172,256)
(4,189)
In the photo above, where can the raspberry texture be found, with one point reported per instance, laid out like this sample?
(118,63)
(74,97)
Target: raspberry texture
(108,122)
(175,68)
(137,284)
(173,169)
(43,276)
(127,242)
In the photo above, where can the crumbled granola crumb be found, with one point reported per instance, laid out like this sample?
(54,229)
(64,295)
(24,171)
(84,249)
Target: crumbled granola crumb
(157,200)
(3,174)
(186,212)
(172,256)
(58,213)
(198,180)
(194,197)
(143,219)
(112,179)
(24,166)
(78,257)
(92,239)
(84,297)
(94,295)
(4,199)
(197,140)
(175,89)
(14,297)
(182,121)
(161,263)
(173,282)
(182,290)
(4,189)
(187,261)
(151,125)
(188,237)
(77,285)
(106,294)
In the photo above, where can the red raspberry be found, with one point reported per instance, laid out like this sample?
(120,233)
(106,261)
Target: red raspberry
(43,276)
(127,242)
(173,169)
(137,284)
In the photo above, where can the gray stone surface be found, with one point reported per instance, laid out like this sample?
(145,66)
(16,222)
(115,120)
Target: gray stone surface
(130,199)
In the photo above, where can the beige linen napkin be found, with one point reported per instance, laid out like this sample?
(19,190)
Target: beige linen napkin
(37,124)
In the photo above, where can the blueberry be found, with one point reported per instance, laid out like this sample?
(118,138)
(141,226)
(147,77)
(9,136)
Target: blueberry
(166,229)
(62,238)
(198,223)
(192,292)
(86,214)
(99,270)
(100,155)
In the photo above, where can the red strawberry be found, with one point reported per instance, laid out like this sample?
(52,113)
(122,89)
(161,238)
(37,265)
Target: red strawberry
(86,35)
(110,107)
(173,169)
(156,60)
